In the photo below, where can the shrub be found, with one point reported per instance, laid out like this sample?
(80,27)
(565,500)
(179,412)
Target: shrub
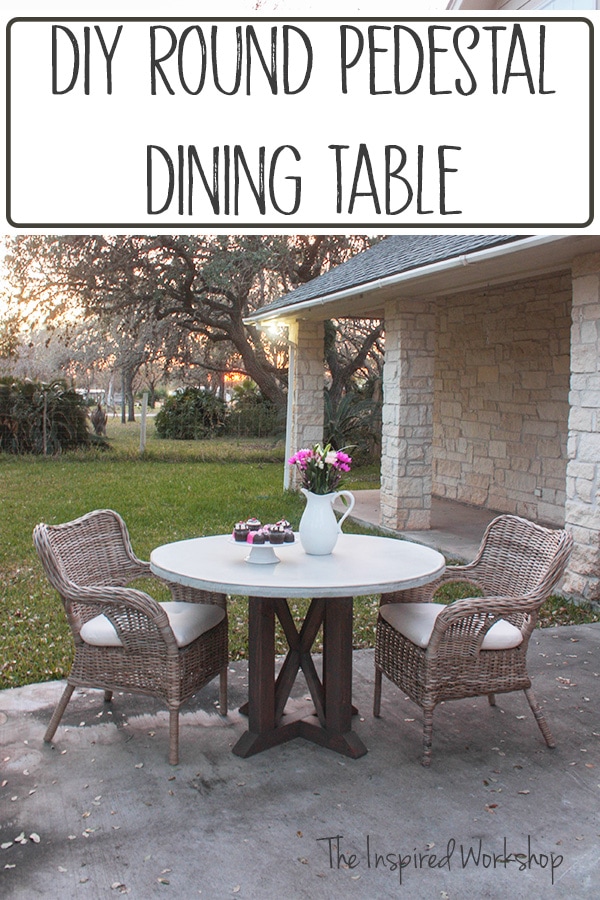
(41,418)
(355,423)
(191,415)
(252,414)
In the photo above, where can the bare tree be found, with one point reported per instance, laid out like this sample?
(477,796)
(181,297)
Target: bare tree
(200,288)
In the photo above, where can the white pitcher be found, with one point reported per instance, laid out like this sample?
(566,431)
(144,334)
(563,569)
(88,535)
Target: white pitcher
(319,528)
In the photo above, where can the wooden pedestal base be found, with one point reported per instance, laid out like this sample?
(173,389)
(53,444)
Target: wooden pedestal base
(271,720)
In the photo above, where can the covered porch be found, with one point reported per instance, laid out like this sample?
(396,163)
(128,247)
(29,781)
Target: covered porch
(456,528)
(491,381)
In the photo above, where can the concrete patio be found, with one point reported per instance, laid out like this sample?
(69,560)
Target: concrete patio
(101,813)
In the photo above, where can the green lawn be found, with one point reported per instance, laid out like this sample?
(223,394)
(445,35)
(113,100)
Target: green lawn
(177,490)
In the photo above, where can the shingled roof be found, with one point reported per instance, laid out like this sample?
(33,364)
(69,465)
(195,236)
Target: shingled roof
(391,256)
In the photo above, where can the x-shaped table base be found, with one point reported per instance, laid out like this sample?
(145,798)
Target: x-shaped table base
(329,720)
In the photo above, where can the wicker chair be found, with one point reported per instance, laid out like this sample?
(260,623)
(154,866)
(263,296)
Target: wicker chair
(124,639)
(478,645)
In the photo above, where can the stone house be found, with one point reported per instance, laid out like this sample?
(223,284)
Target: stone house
(491,377)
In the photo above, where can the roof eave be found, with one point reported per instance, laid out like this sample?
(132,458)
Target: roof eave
(411,277)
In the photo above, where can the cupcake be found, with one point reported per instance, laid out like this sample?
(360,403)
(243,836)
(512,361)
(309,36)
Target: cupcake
(253,524)
(257,537)
(277,534)
(241,531)
(288,534)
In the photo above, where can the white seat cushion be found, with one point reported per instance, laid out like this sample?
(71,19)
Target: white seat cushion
(188,621)
(416,620)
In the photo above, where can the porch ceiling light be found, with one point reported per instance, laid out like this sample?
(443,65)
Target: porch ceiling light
(274,327)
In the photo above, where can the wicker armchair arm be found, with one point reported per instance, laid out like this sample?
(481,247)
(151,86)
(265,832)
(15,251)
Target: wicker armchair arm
(500,606)
(129,610)
(470,619)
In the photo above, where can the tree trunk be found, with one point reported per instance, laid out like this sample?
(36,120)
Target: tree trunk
(128,376)
(123,415)
(269,385)
(151,394)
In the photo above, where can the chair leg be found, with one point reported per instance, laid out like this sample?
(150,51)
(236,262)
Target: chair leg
(377,695)
(108,695)
(58,712)
(539,718)
(223,691)
(427,736)
(174,736)
(492,699)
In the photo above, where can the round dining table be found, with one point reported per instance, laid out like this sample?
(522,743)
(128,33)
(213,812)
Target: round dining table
(269,576)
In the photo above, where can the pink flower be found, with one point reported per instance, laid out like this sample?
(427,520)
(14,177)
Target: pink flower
(343,461)
(301,458)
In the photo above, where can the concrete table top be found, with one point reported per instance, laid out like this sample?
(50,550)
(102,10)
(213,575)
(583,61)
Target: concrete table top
(358,565)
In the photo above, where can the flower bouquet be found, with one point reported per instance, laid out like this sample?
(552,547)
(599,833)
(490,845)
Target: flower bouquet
(321,468)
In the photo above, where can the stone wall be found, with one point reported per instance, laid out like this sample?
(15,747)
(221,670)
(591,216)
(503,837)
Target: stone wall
(407,426)
(583,471)
(501,397)
(308,384)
